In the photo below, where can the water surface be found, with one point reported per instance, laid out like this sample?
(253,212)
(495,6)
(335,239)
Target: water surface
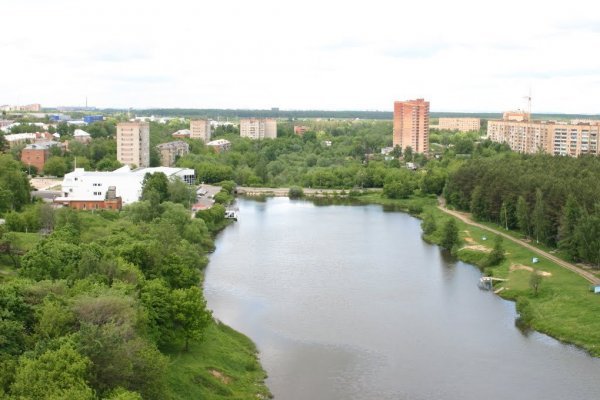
(348,302)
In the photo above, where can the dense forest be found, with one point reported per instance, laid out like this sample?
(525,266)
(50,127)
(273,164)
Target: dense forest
(553,200)
(90,309)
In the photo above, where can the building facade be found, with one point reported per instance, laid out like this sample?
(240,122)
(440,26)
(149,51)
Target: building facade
(171,151)
(87,187)
(133,143)
(548,137)
(258,128)
(219,145)
(411,125)
(200,129)
(460,124)
(300,130)
(36,154)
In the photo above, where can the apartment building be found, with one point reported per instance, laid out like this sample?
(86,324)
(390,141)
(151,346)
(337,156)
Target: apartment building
(300,130)
(460,124)
(411,125)
(200,129)
(219,145)
(36,154)
(258,128)
(171,151)
(133,143)
(555,138)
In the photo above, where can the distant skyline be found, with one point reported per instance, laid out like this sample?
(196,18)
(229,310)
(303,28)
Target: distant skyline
(462,56)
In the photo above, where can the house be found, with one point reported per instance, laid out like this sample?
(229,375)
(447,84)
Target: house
(36,154)
(219,145)
(82,136)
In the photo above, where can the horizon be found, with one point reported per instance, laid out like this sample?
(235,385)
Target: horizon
(323,56)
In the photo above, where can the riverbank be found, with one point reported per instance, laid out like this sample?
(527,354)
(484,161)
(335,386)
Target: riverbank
(223,366)
(563,308)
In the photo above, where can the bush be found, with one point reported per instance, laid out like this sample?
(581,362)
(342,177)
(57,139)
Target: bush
(295,192)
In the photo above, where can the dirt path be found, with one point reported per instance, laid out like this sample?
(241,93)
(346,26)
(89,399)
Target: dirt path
(466,218)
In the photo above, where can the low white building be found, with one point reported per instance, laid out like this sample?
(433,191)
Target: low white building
(82,185)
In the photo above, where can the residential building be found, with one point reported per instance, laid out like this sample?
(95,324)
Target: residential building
(411,125)
(36,154)
(300,129)
(92,187)
(548,137)
(200,129)
(219,145)
(258,128)
(29,108)
(16,139)
(133,143)
(182,134)
(5,123)
(460,124)
(518,115)
(82,136)
(171,151)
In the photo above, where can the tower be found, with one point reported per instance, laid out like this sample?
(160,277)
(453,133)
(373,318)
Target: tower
(411,125)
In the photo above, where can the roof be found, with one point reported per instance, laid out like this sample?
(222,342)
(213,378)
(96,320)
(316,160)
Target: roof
(218,142)
(19,136)
(182,132)
(41,145)
(80,133)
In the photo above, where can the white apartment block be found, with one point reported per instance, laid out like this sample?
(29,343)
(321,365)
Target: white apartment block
(549,137)
(254,128)
(460,124)
(200,129)
(133,143)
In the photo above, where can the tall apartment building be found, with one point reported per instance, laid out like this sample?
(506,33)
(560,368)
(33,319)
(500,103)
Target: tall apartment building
(549,137)
(133,143)
(460,124)
(200,129)
(411,125)
(254,128)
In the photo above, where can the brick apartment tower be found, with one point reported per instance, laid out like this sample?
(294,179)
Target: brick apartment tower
(133,143)
(411,125)
(200,129)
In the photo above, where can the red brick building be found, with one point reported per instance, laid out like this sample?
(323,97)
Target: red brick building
(411,125)
(107,204)
(300,129)
(36,154)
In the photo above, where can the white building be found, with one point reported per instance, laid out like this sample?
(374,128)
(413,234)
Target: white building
(82,136)
(263,128)
(82,185)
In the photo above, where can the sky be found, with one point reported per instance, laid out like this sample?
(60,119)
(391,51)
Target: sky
(461,55)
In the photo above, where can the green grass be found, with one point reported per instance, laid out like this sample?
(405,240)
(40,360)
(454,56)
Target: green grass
(564,308)
(223,366)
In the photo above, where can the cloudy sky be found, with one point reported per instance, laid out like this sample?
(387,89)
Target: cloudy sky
(461,55)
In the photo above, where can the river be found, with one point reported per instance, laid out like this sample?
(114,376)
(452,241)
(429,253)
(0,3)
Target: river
(348,302)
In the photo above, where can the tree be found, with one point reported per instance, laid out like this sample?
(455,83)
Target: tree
(535,280)
(539,218)
(155,187)
(568,225)
(449,234)
(182,193)
(496,256)
(295,192)
(190,315)
(523,219)
(60,373)
(55,166)
(428,225)
(408,153)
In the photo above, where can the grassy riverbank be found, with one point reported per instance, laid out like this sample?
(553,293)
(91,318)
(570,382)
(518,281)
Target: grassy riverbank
(223,366)
(563,307)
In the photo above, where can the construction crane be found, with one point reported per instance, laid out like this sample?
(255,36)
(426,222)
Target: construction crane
(528,98)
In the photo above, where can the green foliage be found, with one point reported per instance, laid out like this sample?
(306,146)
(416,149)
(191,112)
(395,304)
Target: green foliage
(55,374)
(155,188)
(295,192)
(497,255)
(535,280)
(55,166)
(14,185)
(428,224)
(190,316)
(449,234)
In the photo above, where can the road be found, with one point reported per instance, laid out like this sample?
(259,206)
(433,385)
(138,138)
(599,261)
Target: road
(464,217)
(256,191)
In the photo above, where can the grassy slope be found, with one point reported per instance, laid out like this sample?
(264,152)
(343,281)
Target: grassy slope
(564,307)
(223,366)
